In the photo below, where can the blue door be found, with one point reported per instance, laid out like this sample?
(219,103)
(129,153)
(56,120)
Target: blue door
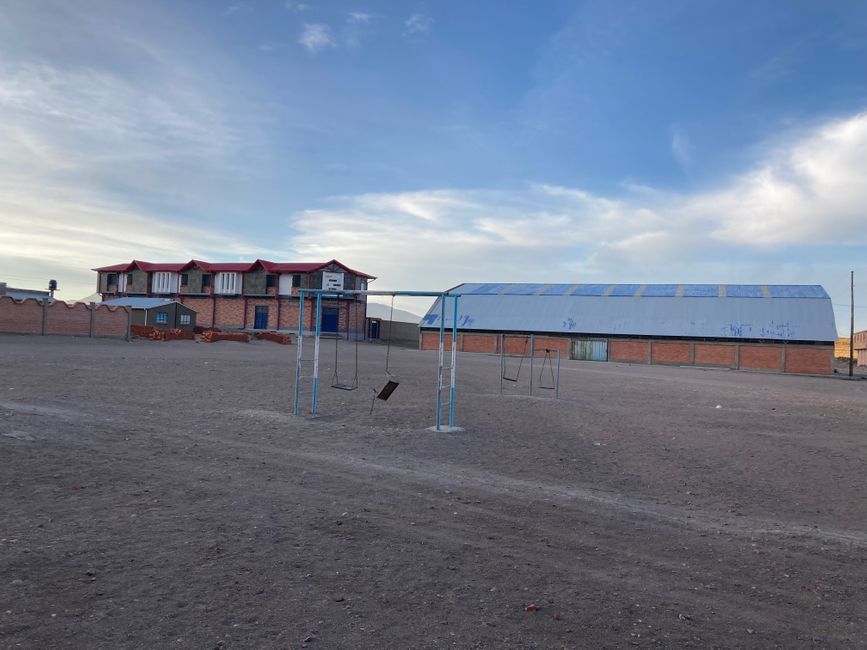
(330,319)
(374,329)
(260,320)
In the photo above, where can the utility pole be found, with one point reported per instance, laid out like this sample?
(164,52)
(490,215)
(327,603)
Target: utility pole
(851,322)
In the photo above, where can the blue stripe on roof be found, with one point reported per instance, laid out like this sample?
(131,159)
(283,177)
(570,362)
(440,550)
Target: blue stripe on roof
(524,289)
(591,290)
(624,289)
(744,291)
(660,291)
(557,289)
(486,289)
(797,291)
(701,291)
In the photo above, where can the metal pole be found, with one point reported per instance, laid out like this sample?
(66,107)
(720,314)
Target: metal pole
(297,408)
(502,364)
(440,369)
(316,352)
(558,375)
(454,360)
(532,361)
(851,322)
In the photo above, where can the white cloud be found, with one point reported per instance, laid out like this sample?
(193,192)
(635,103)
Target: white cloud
(681,147)
(808,193)
(70,136)
(291,5)
(358,17)
(418,24)
(316,37)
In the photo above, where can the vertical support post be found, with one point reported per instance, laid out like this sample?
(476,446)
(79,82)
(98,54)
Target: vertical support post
(532,360)
(316,353)
(502,363)
(128,324)
(298,357)
(851,322)
(44,317)
(440,368)
(558,375)
(454,361)
(91,308)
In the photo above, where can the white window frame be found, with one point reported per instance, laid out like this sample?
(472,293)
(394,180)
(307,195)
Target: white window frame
(184,319)
(227,283)
(165,282)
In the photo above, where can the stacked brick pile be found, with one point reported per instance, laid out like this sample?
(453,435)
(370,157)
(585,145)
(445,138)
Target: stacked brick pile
(282,339)
(212,336)
(155,334)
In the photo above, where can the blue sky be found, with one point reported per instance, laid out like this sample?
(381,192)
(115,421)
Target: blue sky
(432,143)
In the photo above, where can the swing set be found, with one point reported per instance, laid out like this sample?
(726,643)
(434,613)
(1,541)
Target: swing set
(391,380)
(547,380)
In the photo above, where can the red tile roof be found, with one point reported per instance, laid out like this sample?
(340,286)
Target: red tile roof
(240,267)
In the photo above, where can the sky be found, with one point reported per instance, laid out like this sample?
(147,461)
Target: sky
(439,142)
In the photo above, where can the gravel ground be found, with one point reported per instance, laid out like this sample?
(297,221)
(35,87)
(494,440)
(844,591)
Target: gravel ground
(161,495)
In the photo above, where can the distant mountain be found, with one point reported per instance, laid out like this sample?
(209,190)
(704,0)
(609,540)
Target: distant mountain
(378,310)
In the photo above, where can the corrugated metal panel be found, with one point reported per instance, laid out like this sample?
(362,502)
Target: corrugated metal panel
(138,303)
(783,319)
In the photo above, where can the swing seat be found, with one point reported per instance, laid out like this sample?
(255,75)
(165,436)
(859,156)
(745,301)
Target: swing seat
(387,390)
(344,386)
(515,379)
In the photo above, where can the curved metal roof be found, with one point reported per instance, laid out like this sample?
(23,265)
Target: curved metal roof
(729,311)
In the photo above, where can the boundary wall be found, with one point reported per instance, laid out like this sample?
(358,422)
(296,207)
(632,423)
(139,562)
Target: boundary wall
(37,317)
(803,359)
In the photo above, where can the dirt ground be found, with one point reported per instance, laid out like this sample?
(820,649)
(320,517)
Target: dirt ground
(161,495)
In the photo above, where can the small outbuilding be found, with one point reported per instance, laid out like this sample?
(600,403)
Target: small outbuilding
(157,312)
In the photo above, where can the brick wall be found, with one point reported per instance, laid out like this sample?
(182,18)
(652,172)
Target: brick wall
(110,321)
(66,318)
(809,361)
(756,357)
(713,354)
(665,352)
(489,343)
(629,351)
(23,317)
(815,360)
(76,319)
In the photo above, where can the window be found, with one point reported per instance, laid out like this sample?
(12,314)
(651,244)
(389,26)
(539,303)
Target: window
(185,319)
(129,279)
(296,280)
(228,283)
(185,279)
(164,282)
(112,279)
(270,281)
(162,317)
(206,281)
(362,285)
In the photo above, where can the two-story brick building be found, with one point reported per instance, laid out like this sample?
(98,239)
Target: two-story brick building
(245,295)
